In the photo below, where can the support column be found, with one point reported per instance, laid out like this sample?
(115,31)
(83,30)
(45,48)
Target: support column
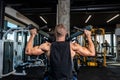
(117,33)
(2,10)
(63,13)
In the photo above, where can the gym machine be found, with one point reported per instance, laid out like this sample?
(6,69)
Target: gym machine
(33,63)
(6,57)
(79,32)
(13,52)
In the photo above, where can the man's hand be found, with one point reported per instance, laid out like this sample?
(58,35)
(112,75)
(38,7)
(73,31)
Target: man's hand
(87,33)
(33,31)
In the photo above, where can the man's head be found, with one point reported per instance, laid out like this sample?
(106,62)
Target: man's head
(60,31)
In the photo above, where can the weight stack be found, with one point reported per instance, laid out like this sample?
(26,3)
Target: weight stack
(6,57)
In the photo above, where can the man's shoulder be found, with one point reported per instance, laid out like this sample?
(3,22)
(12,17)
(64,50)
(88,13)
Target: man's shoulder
(73,43)
(46,44)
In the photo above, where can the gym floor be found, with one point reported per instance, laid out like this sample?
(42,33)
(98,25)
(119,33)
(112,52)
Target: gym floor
(90,73)
(84,73)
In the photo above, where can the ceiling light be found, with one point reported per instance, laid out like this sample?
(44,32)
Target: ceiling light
(76,27)
(88,18)
(49,29)
(112,18)
(43,19)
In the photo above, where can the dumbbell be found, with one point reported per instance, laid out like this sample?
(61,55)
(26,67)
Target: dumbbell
(80,32)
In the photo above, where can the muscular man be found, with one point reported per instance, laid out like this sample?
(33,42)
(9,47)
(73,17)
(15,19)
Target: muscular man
(60,53)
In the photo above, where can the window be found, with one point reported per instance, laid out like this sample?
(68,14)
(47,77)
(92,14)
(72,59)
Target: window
(114,43)
(10,36)
(108,38)
(11,25)
(114,39)
(100,38)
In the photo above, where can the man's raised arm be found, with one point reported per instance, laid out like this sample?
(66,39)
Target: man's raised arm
(30,50)
(85,51)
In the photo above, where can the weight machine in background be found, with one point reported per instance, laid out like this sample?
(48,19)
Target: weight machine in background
(12,52)
(98,37)
(7,54)
(6,59)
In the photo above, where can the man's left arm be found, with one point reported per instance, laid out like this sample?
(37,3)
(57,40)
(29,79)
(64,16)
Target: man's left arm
(36,50)
(85,51)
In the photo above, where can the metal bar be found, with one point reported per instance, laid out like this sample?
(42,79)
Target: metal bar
(2,10)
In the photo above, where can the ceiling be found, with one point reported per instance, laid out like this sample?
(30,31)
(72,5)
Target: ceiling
(101,11)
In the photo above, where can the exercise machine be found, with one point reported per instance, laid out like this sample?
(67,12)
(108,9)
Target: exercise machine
(12,52)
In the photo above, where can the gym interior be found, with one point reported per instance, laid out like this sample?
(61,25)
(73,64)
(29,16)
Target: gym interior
(18,16)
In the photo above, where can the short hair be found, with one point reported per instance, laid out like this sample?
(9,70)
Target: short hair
(60,30)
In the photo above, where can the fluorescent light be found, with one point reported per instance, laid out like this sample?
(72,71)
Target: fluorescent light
(49,29)
(76,27)
(112,18)
(43,19)
(88,18)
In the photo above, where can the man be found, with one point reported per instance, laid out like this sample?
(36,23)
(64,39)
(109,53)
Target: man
(106,45)
(60,53)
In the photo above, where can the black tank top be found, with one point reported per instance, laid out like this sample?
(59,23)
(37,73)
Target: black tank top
(60,61)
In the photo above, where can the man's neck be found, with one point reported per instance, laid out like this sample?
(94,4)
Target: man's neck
(60,39)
